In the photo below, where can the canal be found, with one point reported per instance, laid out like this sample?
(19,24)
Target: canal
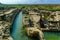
(18,35)
(16,30)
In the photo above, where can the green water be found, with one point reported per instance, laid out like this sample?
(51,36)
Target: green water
(18,35)
(52,35)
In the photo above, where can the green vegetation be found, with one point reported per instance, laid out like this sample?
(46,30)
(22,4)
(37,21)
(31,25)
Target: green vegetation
(44,7)
(24,30)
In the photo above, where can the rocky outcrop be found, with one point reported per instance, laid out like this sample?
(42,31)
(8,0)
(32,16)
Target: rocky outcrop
(32,31)
(41,20)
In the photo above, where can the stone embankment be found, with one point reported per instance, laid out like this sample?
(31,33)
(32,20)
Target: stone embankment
(32,30)
(6,22)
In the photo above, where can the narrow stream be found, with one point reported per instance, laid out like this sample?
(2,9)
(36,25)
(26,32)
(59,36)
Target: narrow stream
(18,35)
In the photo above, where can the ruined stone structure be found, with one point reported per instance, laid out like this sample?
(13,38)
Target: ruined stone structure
(40,21)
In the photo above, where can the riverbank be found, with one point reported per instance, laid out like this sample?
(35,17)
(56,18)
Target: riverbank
(6,21)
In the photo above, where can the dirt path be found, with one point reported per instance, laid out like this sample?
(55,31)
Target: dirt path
(9,11)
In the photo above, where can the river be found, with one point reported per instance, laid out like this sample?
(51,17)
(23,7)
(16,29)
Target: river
(18,35)
(16,30)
